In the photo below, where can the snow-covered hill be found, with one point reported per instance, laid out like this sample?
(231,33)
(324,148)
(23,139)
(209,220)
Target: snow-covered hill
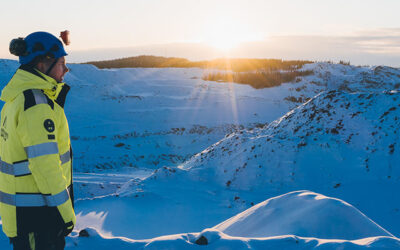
(334,138)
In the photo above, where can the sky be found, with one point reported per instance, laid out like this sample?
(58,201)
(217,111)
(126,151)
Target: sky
(359,31)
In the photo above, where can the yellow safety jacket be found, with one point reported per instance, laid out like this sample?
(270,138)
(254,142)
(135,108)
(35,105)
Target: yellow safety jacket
(36,159)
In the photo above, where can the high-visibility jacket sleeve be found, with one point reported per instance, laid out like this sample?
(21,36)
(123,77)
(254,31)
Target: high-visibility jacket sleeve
(34,127)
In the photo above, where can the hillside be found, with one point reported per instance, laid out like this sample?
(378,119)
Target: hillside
(345,135)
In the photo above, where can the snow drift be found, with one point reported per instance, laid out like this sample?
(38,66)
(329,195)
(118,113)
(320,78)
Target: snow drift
(297,220)
(305,214)
(290,217)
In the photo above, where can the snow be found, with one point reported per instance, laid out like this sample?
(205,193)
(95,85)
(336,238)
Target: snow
(277,223)
(162,158)
(305,214)
(340,144)
(222,241)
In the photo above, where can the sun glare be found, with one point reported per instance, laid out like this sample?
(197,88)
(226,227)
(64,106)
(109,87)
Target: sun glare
(224,42)
(227,33)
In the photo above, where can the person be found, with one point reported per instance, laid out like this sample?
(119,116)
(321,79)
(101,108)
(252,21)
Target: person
(36,193)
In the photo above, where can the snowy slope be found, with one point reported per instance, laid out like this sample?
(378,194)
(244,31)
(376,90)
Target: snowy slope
(348,137)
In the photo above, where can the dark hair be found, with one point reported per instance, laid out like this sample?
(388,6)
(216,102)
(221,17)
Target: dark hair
(18,47)
(46,59)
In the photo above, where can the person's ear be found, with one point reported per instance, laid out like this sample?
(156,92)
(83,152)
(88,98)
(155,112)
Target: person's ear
(41,67)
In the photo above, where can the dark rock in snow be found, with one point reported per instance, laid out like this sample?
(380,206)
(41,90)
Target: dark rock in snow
(83,233)
(202,241)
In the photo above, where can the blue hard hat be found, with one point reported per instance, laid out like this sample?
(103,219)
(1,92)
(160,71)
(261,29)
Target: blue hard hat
(37,44)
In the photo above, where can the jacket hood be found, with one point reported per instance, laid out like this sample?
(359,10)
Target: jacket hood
(24,80)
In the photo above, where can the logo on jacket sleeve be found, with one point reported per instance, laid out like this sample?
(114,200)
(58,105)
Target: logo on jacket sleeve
(49,125)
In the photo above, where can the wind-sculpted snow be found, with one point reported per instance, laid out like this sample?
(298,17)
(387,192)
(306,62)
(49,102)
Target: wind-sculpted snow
(304,214)
(314,214)
(297,220)
(223,241)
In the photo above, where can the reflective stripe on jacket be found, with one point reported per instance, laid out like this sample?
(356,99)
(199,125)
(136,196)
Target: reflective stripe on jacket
(35,157)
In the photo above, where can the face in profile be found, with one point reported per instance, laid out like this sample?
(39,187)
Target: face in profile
(59,70)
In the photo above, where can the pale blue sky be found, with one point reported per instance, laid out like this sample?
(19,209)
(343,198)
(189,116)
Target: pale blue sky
(122,23)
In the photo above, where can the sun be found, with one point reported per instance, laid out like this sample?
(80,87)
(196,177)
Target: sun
(224,41)
(225,34)
(222,36)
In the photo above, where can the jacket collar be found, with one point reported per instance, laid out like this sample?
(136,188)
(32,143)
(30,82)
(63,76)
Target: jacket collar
(29,78)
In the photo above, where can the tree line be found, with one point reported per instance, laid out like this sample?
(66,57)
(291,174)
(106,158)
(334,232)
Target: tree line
(259,73)
(234,64)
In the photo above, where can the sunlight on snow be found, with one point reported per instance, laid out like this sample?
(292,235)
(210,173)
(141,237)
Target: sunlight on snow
(94,220)
(317,196)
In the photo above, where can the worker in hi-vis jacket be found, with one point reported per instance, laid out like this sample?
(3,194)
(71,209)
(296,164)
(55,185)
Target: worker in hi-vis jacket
(36,194)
